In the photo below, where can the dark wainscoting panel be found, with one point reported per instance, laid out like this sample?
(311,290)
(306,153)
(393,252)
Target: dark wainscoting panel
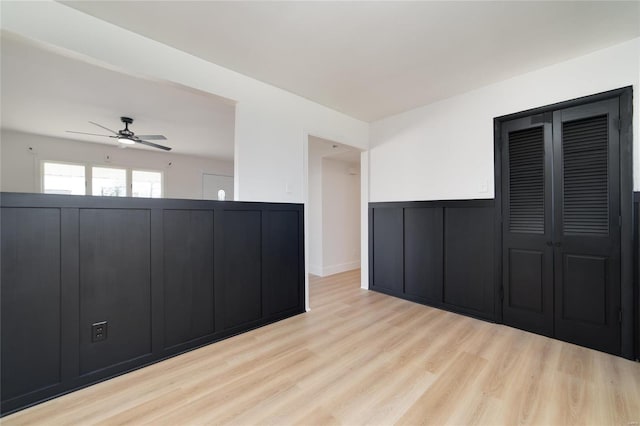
(423,256)
(115,285)
(30,325)
(240,291)
(167,276)
(188,275)
(282,238)
(468,265)
(440,253)
(386,257)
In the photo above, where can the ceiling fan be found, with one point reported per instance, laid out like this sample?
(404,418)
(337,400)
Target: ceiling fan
(127,137)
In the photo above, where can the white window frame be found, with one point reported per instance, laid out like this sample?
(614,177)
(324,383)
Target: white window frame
(88,176)
(127,180)
(138,169)
(67,163)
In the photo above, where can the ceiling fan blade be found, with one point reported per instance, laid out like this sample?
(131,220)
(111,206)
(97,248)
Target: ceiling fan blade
(152,137)
(92,134)
(155,145)
(106,128)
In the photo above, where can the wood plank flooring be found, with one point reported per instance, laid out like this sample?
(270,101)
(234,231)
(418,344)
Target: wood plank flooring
(360,357)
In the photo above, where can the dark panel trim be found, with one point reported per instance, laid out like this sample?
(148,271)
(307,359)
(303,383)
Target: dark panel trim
(627,228)
(567,104)
(302,273)
(497,222)
(370,251)
(157,280)
(70,286)
(434,204)
(18,199)
(636,269)
(218,270)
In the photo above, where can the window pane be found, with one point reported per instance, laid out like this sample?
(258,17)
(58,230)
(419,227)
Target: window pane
(146,184)
(61,178)
(109,182)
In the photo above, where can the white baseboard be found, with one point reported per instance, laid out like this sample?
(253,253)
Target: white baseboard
(315,270)
(341,267)
(364,274)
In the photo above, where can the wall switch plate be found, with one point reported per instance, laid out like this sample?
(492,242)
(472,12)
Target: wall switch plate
(98,331)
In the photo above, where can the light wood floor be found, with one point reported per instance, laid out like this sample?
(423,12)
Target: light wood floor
(360,357)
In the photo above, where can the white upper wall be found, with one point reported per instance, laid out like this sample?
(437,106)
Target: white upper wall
(314,205)
(20,165)
(340,216)
(445,150)
(271,124)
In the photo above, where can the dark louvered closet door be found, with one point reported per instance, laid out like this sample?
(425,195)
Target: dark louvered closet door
(527,224)
(587,231)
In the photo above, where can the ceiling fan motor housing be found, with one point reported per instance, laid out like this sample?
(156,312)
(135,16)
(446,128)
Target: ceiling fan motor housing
(126,132)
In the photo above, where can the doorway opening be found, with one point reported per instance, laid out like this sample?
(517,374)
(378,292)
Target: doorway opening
(217,187)
(334,210)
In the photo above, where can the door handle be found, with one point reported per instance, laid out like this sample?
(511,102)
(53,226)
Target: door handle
(558,244)
(550,243)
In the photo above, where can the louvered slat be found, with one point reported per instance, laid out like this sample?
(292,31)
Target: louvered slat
(526,181)
(585,176)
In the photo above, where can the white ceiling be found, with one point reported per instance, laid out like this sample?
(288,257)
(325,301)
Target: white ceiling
(46,93)
(374,59)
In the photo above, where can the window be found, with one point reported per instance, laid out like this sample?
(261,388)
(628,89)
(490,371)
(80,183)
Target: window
(109,182)
(61,178)
(146,184)
(83,179)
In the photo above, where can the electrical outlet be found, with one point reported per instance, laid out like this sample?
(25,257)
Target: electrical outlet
(98,331)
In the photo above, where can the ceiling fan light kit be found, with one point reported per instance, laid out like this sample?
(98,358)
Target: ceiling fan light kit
(127,137)
(126,141)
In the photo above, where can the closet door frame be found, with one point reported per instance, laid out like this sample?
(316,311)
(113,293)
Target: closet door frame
(629,292)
